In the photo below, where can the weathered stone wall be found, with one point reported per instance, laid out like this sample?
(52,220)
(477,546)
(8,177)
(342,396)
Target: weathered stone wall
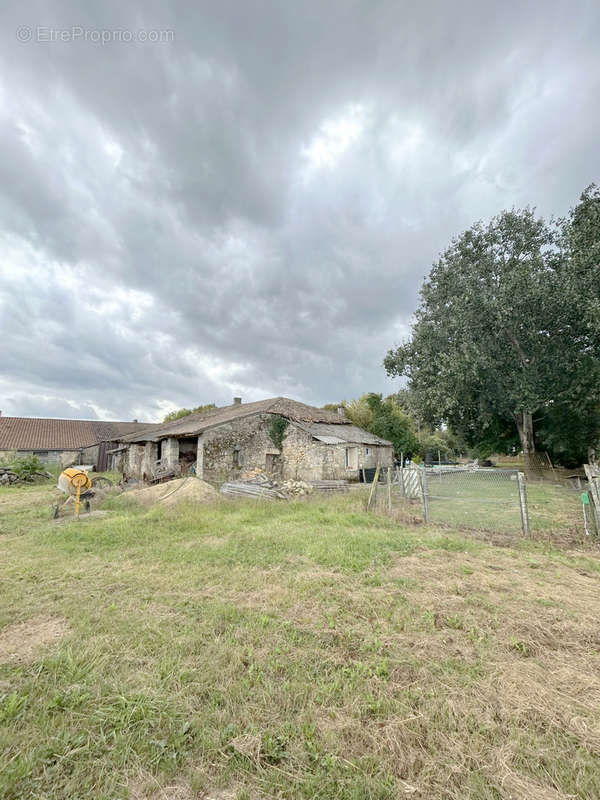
(302,458)
(225,451)
(170,451)
(246,439)
(306,459)
(336,462)
(134,461)
(62,458)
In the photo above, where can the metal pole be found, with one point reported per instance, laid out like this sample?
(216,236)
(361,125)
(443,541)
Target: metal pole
(523,503)
(389,488)
(424,493)
(403,490)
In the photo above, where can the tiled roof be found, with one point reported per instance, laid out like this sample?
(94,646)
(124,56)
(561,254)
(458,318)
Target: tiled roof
(196,423)
(32,433)
(343,434)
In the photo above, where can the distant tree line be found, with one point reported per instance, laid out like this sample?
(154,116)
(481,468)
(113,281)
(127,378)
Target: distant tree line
(505,348)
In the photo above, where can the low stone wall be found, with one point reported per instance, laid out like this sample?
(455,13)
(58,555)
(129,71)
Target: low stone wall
(62,458)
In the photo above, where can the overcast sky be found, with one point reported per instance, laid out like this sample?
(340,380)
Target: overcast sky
(248,205)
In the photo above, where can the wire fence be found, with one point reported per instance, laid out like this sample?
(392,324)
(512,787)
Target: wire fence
(591,500)
(459,497)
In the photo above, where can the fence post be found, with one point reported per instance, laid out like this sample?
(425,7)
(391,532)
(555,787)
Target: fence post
(424,492)
(523,503)
(389,488)
(374,486)
(594,493)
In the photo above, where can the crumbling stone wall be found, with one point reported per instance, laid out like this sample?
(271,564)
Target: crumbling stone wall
(62,458)
(303,457)
(336,461)
(133,461)
(246,440)
(307,459)
(170,451)
(225,451)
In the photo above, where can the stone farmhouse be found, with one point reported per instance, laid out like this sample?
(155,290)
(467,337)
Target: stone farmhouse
(286,438)
(63,441)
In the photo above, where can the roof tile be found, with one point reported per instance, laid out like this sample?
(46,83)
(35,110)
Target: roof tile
(32,433)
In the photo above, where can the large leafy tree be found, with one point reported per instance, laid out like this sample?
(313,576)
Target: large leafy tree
(498,337)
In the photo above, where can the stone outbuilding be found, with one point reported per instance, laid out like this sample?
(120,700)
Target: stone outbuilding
(287,439)
(63,441)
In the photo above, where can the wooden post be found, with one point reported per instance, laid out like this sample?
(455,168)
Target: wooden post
(389,488)
(523,503)
(373,487)
(594,492)
(424,492)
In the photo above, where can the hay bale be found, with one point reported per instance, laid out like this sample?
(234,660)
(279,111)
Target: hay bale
(173,492)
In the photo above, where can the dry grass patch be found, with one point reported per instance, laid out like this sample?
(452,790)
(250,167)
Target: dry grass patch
(24,641)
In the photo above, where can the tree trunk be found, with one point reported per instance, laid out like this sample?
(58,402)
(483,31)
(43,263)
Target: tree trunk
(524,422)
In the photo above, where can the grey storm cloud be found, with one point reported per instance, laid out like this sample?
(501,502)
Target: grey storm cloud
(250,205)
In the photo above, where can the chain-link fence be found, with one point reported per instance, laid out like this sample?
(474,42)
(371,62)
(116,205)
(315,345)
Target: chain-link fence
(485,499)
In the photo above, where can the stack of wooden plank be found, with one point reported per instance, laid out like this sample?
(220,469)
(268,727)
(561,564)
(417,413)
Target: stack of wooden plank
(330,486)
(242,489)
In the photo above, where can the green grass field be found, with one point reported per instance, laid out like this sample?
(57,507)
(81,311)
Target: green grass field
(303,650)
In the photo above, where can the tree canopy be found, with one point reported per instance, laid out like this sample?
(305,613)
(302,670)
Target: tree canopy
(184,412)
(508,329)
(391,418)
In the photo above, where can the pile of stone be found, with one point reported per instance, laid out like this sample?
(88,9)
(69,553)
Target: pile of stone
(290,488)
(7,476)
(296,488)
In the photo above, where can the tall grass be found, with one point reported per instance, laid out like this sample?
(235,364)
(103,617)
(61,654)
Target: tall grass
(294,650)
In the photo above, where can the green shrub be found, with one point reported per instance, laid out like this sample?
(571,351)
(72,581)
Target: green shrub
(26,466)
(277,430)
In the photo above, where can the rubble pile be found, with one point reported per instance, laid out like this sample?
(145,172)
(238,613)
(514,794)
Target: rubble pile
(290,488)
(296,488)
(7,476)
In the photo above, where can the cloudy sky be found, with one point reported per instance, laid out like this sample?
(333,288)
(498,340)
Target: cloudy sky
(243,197)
